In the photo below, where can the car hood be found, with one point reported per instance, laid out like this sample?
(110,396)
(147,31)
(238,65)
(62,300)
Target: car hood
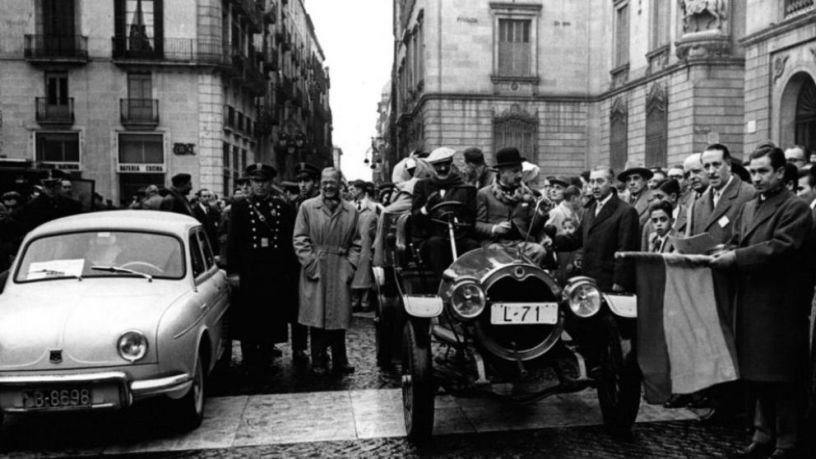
(83,320)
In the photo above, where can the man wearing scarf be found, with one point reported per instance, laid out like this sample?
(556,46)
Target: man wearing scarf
(444,185)
(506,212)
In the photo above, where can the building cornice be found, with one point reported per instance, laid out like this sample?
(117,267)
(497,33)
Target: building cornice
(569,97)
(778,29)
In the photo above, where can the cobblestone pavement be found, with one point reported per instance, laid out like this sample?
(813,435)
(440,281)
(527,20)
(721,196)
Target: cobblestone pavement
(290,413)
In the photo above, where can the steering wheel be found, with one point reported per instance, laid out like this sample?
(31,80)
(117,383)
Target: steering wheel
(130,264)
(451,212)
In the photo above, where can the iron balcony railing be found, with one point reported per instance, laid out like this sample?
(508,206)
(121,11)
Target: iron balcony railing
(139,112)
(183,50)
(58,47)
(797,6)
(55,112)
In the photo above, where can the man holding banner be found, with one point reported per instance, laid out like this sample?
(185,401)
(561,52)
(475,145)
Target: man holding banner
(774,291)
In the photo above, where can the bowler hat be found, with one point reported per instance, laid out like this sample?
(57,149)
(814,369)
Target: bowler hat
(508,156)
(259,171)
(305,171)
(474,155)
(635,169)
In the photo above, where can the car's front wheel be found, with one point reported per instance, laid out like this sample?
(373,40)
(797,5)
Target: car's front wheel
(418,389)
(619,381)
(189,410)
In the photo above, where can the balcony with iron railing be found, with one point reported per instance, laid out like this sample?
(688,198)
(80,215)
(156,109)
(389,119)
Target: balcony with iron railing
(50,112)
(51,48)
(798,7)
(139,113)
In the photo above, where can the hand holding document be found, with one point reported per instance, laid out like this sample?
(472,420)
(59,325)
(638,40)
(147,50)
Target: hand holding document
(701,244)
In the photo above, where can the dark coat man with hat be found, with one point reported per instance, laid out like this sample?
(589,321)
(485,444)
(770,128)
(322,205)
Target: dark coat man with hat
(176,200)
(444,185)
(262,262)
(636,180)
(506,211)
(49,205)
(771,234)
(476,171)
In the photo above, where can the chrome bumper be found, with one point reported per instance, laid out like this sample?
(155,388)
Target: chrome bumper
(129,391)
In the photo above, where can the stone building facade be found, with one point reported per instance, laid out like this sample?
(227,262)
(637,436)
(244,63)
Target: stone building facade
(575,84)
(128,93)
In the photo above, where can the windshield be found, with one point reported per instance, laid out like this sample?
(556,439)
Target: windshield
(80,255)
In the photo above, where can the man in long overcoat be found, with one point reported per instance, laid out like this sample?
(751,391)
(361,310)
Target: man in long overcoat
(327,245)
(261,260)
(773,302)
(367,225)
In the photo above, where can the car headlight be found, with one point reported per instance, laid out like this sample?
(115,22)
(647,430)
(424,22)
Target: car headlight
(132,346)
(583,297)
(468,300)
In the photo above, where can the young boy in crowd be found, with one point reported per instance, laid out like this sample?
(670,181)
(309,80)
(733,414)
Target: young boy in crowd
(660,216)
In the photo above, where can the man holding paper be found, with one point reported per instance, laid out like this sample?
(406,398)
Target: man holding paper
(772,302)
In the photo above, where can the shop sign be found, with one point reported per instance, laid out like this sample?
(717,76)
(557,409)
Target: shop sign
(140,168)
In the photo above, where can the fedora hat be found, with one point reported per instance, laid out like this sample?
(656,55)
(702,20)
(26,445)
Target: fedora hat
(508,157)
(635,169)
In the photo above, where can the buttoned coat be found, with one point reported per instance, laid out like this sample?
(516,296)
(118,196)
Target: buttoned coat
(719,221)
(614,229)
(641,206)
(367,226)
(260,251)
(327,245)
(491,211)
(421,225)
(773,301)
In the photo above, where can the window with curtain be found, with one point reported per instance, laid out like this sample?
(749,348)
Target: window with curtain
(58,147)
(622,35)
(141,149)
(515,47)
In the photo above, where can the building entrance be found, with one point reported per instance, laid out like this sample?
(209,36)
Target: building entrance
(133,185)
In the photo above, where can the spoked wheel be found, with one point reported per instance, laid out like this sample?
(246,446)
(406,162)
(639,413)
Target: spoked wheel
(418,389)
(189,409)
(619,382)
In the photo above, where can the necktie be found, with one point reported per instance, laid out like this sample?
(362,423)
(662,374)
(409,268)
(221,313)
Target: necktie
(656,243)
(716,197)
(598,208)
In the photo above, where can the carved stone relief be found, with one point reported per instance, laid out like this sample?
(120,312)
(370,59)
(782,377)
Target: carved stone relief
(703,15)
(779,66)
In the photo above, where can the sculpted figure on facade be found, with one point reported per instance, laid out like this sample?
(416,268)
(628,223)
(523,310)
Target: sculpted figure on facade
(702,15)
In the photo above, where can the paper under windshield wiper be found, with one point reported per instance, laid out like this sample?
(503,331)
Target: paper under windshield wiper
(119,269)
(49,273)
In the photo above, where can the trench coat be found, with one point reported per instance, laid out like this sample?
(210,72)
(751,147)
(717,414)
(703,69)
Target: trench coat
(367,226)
(773,296)
(327,245)
(259,250)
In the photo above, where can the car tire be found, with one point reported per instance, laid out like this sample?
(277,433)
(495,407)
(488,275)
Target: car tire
(619,382)
(189,410)
(418,387)
(384,329)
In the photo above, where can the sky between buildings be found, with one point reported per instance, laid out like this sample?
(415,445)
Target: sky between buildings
(357,38)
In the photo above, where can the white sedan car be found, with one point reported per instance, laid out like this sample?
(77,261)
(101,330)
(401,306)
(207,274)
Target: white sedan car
(103,309)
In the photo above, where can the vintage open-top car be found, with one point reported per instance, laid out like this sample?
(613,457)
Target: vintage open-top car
(103,309)
(498,324)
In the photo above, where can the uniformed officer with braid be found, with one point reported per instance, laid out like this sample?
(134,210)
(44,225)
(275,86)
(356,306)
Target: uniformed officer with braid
(262,262)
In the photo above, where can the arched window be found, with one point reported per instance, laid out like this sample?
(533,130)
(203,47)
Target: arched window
(805,124)
(516,128)
(656,126)
(618,144)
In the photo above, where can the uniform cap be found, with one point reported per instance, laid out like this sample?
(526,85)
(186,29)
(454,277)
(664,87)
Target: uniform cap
(259,171)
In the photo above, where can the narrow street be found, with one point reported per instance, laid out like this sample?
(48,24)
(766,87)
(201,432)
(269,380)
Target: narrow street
(291,413)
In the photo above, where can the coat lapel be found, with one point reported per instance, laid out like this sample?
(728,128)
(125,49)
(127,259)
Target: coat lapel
(766,210)
(606,211)
(729,194)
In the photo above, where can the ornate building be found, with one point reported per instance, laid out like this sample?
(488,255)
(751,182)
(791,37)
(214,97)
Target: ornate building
(574,84)
(128,93)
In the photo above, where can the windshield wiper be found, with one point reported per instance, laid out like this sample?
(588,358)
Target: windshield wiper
(118,269)
(50,273)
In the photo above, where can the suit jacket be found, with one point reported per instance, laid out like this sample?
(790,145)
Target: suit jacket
(210,221)
(774,287)
(614,229)
(490,211)
(646,243)
(719,221)
(421,225)
(641,206)
(176,202)
(684,203)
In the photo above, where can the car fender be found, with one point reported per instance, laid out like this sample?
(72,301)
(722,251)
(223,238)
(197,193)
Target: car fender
(422,306)
(622,305)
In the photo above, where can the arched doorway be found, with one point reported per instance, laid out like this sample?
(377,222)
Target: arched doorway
(798,112)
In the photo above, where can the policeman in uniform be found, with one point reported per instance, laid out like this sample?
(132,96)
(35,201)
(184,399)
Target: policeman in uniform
(262,263)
